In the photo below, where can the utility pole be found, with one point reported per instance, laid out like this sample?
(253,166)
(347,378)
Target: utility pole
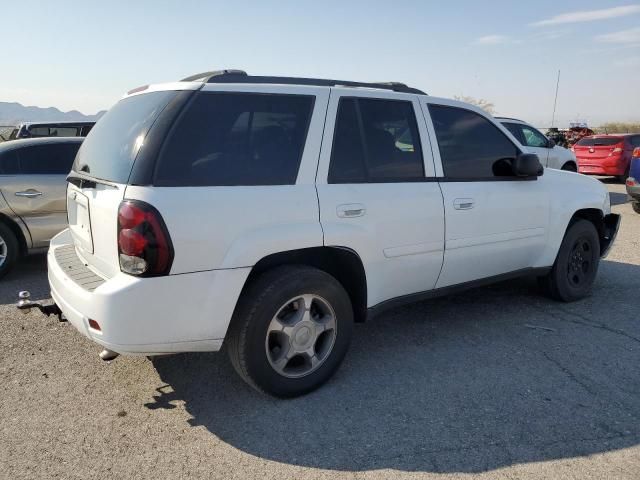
(555,101)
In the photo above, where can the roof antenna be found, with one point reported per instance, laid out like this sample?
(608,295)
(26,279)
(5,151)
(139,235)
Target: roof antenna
(555,101)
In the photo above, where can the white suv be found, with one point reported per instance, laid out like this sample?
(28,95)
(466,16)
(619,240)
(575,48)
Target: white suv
(550,154)
(269,214)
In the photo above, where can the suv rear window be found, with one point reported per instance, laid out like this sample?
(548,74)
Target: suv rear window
(109,152)
(599,141)
(226,139)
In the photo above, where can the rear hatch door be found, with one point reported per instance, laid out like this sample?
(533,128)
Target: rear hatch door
(592,150)
(101,172)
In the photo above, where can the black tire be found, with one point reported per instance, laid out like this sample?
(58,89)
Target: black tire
(10,247)
(248,342)
(635,206)
(569,167)
(576,265)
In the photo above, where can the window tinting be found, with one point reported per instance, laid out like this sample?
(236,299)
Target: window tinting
(236,139)
(515,130)
(599,141)
(470,145)
(48,159)
(39,131)
(109,152)
(533,138)
(635,140)
(375,141)
(9,163)
(347,155)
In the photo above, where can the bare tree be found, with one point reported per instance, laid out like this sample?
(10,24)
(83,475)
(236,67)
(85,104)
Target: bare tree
(486,105)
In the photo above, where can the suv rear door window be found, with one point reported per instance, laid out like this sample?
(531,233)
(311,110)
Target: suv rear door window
(48,159)
(471,147)
(375,140)
(236,139)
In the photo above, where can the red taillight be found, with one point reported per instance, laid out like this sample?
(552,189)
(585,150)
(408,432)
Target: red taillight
(631,182)
(636,152)
(131,242)
(144,245)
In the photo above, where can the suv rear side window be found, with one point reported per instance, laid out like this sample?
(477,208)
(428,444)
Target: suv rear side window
(375,140)
(47,159)
(236,139)
(471,147)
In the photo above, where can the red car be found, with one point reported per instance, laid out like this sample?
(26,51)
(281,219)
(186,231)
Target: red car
(606,154)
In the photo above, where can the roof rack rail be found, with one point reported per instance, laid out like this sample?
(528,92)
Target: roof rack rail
(240,76)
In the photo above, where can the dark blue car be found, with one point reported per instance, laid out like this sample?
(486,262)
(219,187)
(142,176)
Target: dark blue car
(633,182)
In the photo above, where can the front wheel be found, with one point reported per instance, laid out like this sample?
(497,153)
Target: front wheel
(290,331)
(635,206)
(576,265)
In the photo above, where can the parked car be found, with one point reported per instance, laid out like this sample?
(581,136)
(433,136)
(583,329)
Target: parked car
(550,154)
(606,154)
(633,181)
(270,213)
(51,129)
(32,194)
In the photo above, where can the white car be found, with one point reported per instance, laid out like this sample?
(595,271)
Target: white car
(271,213)
(550,154)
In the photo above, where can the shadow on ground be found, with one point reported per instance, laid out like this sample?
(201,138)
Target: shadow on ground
(467,383)
(30,273)
(618,198)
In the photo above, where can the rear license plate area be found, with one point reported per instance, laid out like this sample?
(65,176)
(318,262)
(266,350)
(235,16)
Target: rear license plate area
(80,220)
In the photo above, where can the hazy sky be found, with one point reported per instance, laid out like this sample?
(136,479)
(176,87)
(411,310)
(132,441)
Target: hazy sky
(84,55)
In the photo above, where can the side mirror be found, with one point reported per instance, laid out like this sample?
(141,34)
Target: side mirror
(527,165)
(550,143)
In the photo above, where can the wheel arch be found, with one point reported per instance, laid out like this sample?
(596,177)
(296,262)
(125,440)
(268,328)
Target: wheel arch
(17,231)
(573,166)
(342,263)
(600,221)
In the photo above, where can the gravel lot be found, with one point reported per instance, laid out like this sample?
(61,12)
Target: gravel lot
(498,382)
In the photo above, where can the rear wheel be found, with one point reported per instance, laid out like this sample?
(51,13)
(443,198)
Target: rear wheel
(569,167)
(635,206)
(9,249)
(290,331)
(576,265)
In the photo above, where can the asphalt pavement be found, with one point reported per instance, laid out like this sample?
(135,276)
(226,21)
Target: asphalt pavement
(497,382)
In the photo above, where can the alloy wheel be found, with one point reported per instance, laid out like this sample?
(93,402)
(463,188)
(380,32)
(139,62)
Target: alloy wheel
(301,336)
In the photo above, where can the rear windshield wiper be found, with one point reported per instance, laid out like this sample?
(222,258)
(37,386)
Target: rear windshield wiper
(85,181)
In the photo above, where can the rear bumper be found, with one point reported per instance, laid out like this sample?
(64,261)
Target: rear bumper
(605,166)
(144,316)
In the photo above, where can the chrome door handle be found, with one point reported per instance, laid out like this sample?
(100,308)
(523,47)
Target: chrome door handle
(350,210)
(29,193)
(463,203)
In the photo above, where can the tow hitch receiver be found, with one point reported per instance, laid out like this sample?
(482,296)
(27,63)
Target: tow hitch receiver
(25,305)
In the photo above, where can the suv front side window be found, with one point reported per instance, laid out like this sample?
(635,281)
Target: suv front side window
(533,138)
(471,147)
(375,141)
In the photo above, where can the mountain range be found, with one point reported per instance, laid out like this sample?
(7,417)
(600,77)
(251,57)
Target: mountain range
(12,113)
